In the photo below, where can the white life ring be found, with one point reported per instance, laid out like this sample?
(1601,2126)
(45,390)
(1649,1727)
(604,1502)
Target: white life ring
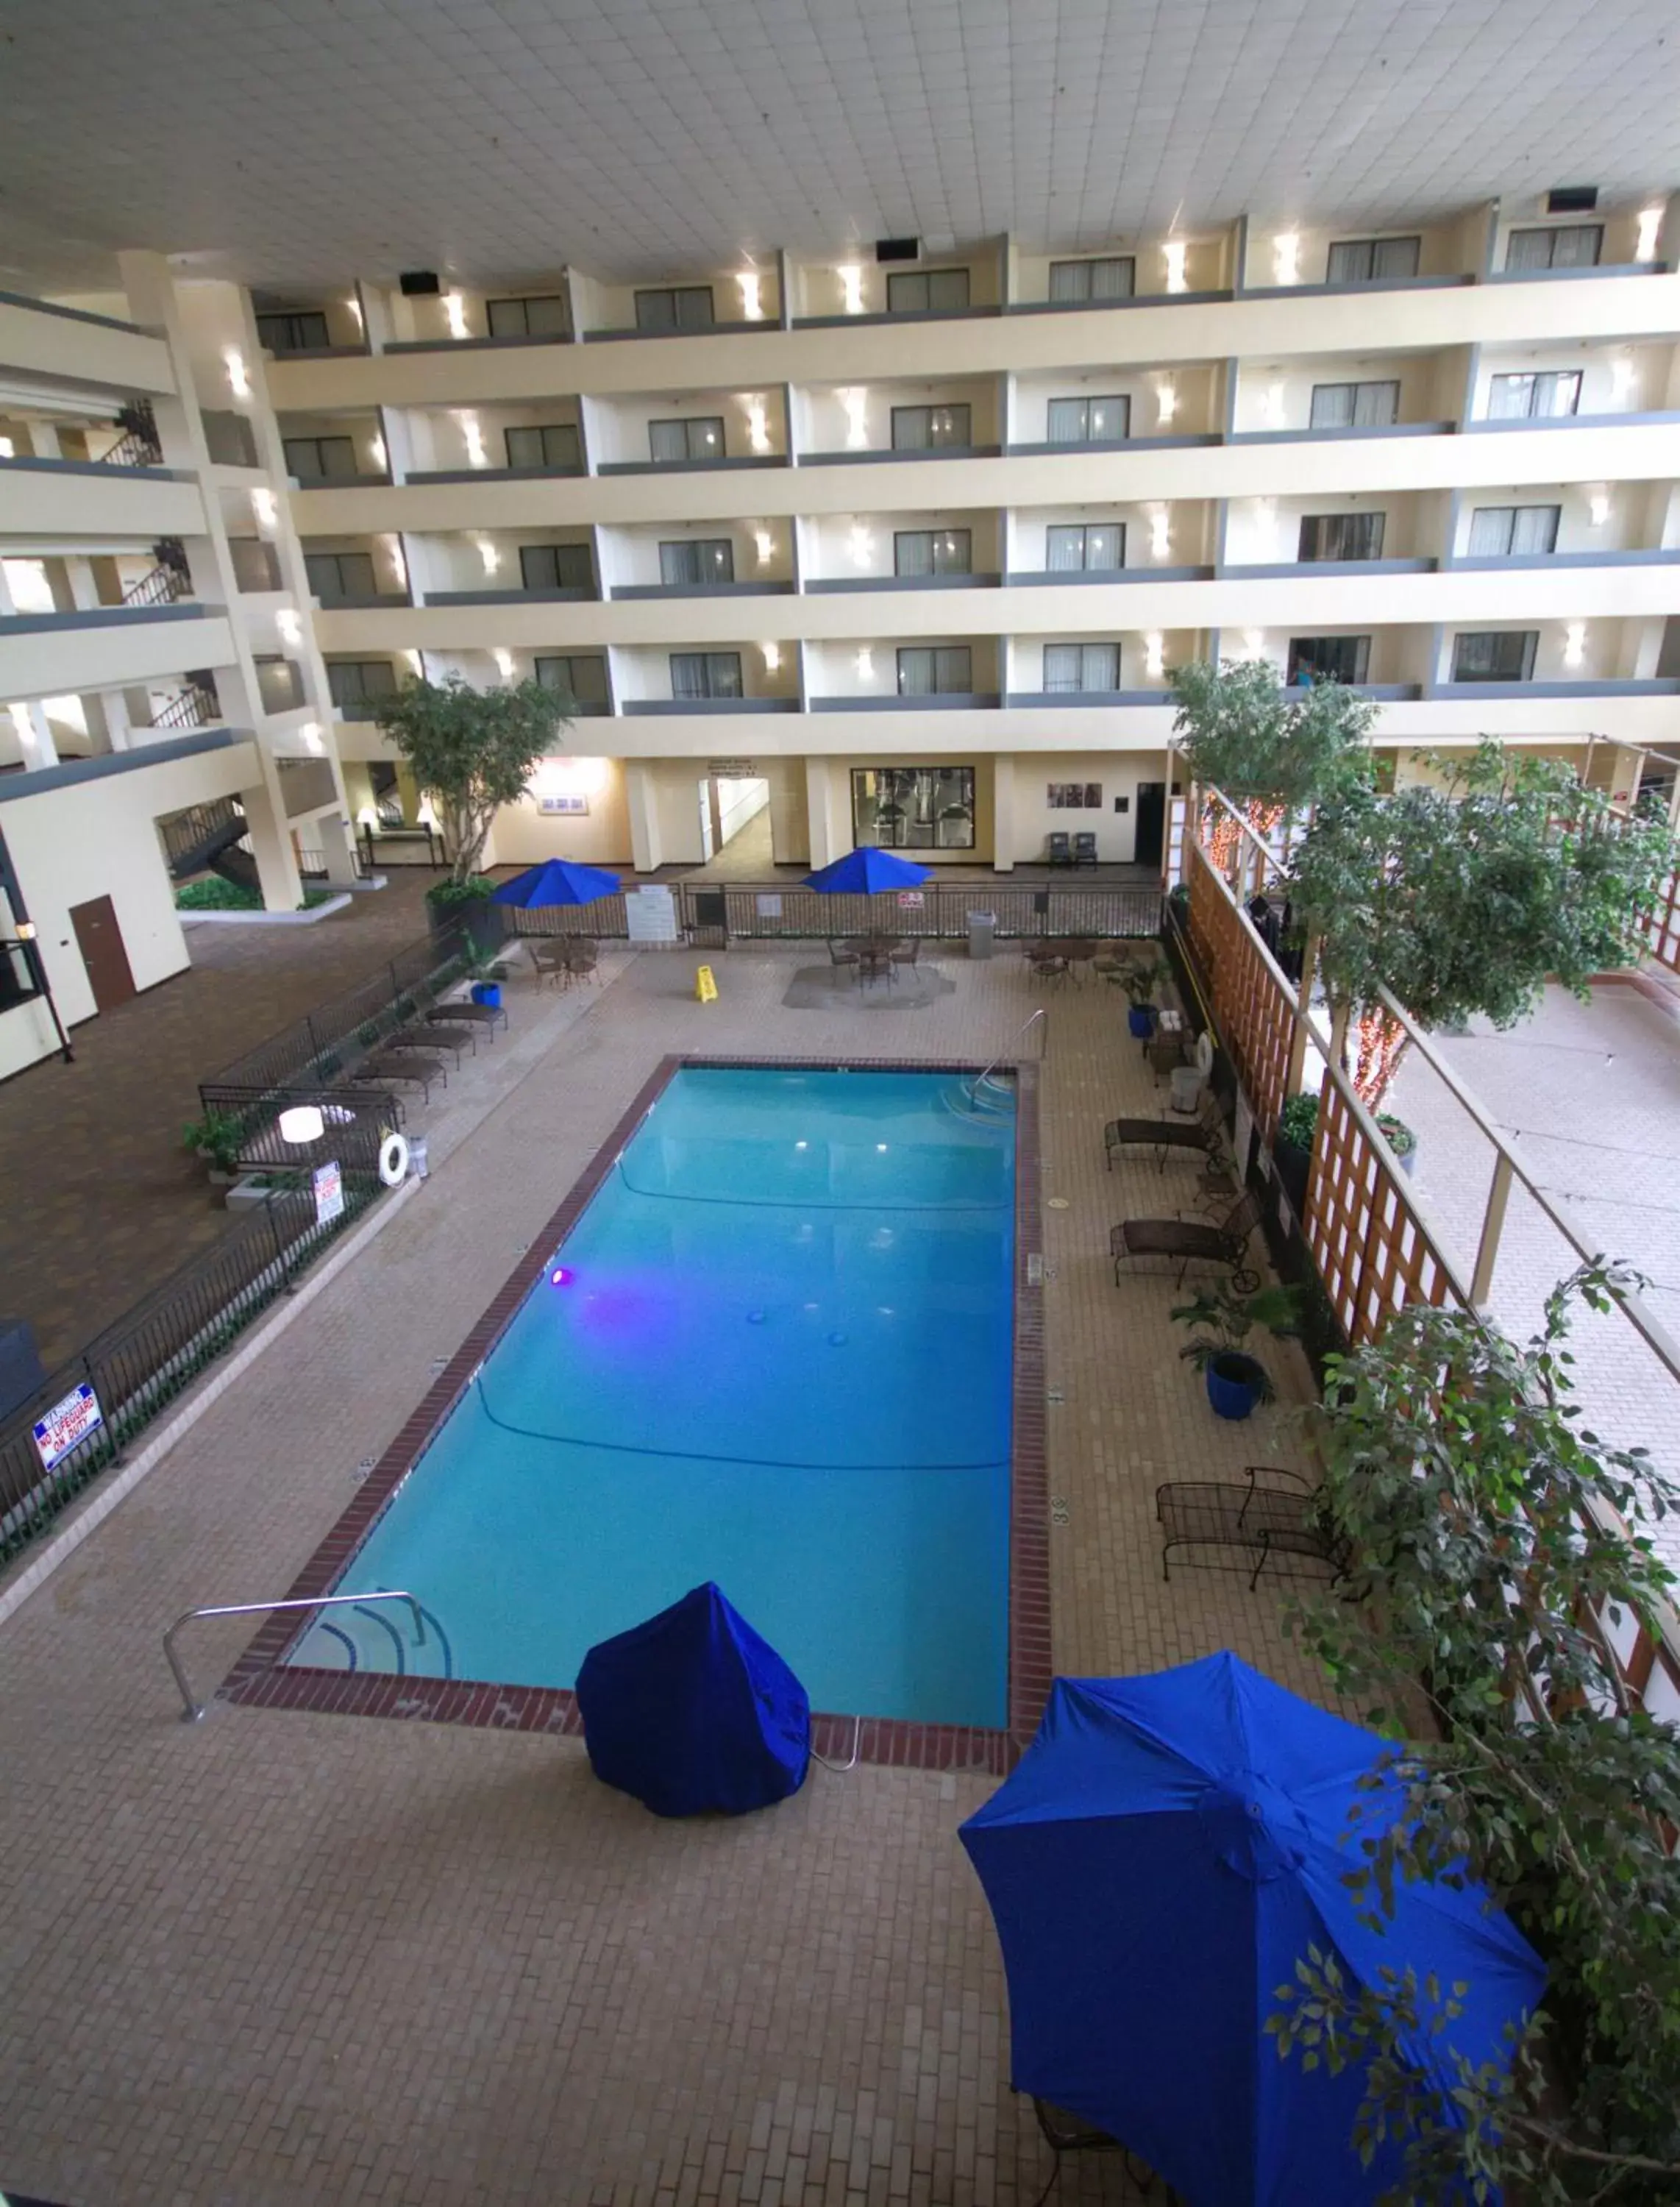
(393,1160)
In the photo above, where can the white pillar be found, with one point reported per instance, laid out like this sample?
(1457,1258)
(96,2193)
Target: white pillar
(1003,814)
(641,800)
(34,735)
(826,845)
(338,849)
(273,850)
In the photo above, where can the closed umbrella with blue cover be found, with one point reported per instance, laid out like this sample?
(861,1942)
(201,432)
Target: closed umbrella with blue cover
(556,881)
(1168,1849)
(866,872)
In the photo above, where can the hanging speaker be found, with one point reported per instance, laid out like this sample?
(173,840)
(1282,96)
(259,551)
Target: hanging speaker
(419,284)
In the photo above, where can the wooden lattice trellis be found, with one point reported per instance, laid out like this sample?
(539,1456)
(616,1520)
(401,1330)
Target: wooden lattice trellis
(1251,1007)
(1370,1252)
(1662,931)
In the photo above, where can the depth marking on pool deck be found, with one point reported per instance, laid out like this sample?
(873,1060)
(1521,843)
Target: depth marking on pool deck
(262,1678)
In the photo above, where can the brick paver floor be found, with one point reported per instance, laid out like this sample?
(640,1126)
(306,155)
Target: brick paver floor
(276,1960)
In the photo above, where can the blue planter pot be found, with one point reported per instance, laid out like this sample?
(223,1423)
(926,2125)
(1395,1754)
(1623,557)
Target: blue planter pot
(1235,1385)
(1141,1020)
(486,992)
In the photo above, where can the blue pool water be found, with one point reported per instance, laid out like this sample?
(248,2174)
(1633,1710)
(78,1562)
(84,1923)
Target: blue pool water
(781,1359)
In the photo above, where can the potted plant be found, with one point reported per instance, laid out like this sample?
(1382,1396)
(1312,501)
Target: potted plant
(464,908)
(1292,1151)
(488,974)
(1221,1321)
(218,1138)
(1400,1139)
(1140,981)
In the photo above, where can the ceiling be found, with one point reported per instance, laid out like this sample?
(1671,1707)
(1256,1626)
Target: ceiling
(296,142)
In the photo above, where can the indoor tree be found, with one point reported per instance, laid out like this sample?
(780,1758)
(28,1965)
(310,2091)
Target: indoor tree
(1472,1504)
(1269,748)
(471,752)
(1464,893)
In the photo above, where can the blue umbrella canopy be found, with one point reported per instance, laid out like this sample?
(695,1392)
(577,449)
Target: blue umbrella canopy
(556,881)
(1167,1850)
(866,870)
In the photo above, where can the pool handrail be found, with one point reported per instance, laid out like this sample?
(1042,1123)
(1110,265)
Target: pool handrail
(1026,1027)
(191,1711)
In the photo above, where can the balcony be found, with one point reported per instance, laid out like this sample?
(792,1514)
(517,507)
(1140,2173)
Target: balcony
(751,560)
(1067,412)
(861,551)
(664,435)
(1565,385)
(357,573)
(850,424)
(1402,394)
(1127,669)
(1308,262)
(739,678)
(860,290)
(324,326)
(735,304)
(1552,658)
(951,675)
(326,452)
(505,443)
(504,567)
(1374,533)
(1193,270)
(1074,546)
(458,319)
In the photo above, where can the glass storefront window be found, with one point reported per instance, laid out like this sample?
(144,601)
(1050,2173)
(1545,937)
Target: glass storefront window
(913,807)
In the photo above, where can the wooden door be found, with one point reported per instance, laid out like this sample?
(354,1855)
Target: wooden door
(99,939)
(1151,803)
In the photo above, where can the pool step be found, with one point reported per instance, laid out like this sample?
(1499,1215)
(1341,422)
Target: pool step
(380,1638)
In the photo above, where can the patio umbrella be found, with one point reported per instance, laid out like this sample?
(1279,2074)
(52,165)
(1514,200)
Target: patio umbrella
(556,881)
(867,871)
(1167,1850)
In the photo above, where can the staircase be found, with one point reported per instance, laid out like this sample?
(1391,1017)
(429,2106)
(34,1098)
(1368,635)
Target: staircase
(139,446)
(209,839)
(167,581)
(197,706)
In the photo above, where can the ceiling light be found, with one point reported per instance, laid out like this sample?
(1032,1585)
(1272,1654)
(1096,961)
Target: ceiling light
(1286,257)
(1174,252)
(239,381)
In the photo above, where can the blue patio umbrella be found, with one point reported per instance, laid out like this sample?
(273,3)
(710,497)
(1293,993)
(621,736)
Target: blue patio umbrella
(1167,1850)
(556,881)
(866,870)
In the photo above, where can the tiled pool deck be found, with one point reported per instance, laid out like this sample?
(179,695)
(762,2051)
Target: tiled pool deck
(286,1958)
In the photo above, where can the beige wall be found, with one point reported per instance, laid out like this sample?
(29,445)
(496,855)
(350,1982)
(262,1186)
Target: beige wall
(1031,817)
(524,834)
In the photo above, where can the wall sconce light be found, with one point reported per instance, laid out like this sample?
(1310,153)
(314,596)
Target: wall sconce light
(239,381)
(865,663)
(1254,643)
(1597,508)
(1174,251)
(751,303)
(1650,229)
(1167,400)
(416,664)
(488,553)
(851,288)
(1286,257)
(772,656)
(1621,375)
(426,814)
(855,401)
(1160,532)
(8,449)
(1574,643)
(263,505)
(393,553)
(758,429)
(504,662)
(353,308)
(764,544)
(474,439)
(1274,402)
(862,545)
(368,816)
(291,628)
(455,307)
(376,452)
(311,734)
(1154,649)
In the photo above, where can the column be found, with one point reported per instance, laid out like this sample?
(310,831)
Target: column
(272,846)
(1003,814)
(826,842)
(642,802)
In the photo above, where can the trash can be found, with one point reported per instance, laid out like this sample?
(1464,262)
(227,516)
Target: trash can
(982,934)
(1186,1091)
(418,1164)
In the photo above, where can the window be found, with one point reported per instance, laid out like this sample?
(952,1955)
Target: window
(1091,281)
(1329,658)
(1570,245)
(526,318)
(355,683)
(1495,656)
(1081,666)
(706,674)
(928,428)
(1502,532)
(693,562)
(337,575)
(1373,259)
(913,807)
(580,678)
(936,671)
(686,307)
(553,445)
(1088,421)
(556,567)
(928,291)
(312,458)
(1341,536)
(1087,549)
(305,332)
(674,444)
(1353,405)
(933,551)
(1522,397)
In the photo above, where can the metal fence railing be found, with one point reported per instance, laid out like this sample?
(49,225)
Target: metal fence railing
(712,913)
(136,1368)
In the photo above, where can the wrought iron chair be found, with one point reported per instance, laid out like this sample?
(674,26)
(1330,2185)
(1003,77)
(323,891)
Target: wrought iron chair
(1264,1521)
(1203,1134)
(1187,1241)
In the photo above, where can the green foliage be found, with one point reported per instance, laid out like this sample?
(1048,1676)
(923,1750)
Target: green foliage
(472,751)
(476,888)
(1143,977)
(1221,1321)
(1242,732)
(212,894)
(1476,1508)
(1298,1122)
(1462,897)
(219,1134)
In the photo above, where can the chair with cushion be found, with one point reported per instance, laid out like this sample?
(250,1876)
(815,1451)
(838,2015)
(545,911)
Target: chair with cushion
(1059,853)
(1085,848)
(1186,1241)
(1202,1134)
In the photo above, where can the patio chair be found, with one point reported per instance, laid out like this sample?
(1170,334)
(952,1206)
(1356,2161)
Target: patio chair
(1085,848)
(582,962)
(548,961)
(1065,2133)
(1186,1241)
(1059,851)
(905,954)
(842,954)
(1265,1523)
(1201,1134)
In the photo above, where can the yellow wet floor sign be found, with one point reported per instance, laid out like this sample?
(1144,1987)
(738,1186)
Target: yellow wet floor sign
(705,987)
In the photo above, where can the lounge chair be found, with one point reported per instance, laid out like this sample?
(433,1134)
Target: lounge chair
(1265,1523)
(393,1065)
(1186,1241)
(1203,1133)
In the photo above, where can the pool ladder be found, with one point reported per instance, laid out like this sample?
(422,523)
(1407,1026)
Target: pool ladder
(982,1089)
(191,1710)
